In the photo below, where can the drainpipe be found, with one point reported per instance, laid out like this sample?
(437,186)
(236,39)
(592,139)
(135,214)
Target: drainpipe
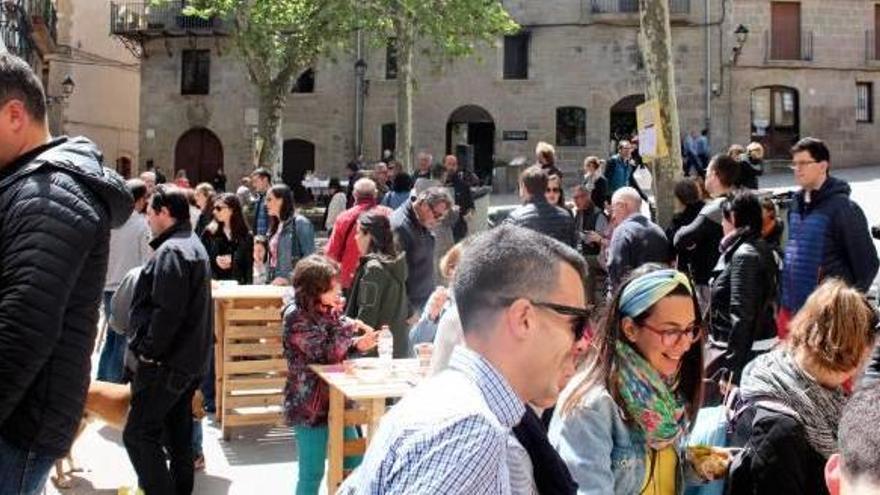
(359,70)
(708,70)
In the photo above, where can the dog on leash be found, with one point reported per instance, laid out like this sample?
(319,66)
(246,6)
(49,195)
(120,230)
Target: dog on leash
(110,403)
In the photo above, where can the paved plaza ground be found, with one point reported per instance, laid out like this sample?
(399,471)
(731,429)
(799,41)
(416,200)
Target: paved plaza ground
(262,460)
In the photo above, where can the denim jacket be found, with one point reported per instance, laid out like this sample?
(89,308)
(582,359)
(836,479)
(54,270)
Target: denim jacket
(599,448)
(296,242)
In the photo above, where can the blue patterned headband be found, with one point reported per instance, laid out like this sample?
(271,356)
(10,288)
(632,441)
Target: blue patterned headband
(642,293)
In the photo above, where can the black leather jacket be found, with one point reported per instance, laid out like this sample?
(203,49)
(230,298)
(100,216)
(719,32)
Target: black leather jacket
(743,299)
(550,220)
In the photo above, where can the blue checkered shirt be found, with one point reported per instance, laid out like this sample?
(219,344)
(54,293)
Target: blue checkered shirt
(261,218)
(449,435)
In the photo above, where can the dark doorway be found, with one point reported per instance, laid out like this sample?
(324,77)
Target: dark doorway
(200,153)
(623,117)
(298,158)
(470,135)
(775,120)
(123,166)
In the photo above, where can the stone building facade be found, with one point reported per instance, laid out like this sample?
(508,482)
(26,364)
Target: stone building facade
(584,78)
(104,105)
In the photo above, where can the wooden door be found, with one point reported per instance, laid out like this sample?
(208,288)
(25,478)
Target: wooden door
(785,34)
(200,153)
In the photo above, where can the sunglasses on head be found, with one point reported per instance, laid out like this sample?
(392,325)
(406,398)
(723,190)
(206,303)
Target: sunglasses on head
(580,316)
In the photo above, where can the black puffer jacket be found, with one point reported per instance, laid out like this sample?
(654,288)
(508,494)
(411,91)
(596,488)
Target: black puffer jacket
(550,220)
(743,296)
(171,311)
(57,206)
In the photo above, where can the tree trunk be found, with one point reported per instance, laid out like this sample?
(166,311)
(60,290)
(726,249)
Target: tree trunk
(405,83)
(656,37)
(272,98)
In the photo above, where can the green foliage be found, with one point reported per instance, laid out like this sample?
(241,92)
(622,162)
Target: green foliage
(279,38)
(451,27)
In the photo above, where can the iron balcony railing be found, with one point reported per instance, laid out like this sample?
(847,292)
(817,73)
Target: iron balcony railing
(784,49)
(165,18)
(15,29)
(676,7)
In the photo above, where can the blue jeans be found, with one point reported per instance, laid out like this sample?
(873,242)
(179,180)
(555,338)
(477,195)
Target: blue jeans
(111,364)
(22,472)
(311,442)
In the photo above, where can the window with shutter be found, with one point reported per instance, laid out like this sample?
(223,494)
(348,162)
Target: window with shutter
(516,56)
(391,60)
(785,33)
(196,72)
(864,102)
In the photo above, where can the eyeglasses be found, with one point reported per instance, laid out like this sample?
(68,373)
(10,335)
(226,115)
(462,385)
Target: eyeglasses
(554,190)
(795,165)
(581,316)
(673,337)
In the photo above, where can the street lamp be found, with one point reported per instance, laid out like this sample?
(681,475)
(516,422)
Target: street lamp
(742,35)
(67,87)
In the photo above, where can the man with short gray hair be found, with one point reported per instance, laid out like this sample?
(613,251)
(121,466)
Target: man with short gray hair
(523,307)
(342,246)
(380,178)
(636,239)
(425,160)
(412,223)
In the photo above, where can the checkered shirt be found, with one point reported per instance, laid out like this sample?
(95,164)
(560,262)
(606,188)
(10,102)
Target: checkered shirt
(449,436)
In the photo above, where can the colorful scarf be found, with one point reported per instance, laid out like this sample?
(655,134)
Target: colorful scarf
(648,400)
(643,292)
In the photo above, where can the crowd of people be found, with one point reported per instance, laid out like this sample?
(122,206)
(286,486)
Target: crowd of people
(577,348)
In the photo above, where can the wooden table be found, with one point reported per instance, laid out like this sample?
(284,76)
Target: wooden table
(249,362)
(368,406)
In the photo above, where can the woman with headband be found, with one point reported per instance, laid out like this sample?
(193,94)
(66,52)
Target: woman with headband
(621,423)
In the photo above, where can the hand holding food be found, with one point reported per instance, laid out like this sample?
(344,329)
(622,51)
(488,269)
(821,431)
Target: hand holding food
(710,463)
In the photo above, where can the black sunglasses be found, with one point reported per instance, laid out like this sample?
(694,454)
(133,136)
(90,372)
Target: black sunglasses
(581,316)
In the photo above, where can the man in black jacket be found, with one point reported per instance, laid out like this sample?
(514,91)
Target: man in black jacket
(57,206)
(539,215)
(170,319)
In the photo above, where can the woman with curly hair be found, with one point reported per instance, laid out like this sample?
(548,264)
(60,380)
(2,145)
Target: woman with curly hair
(316,332)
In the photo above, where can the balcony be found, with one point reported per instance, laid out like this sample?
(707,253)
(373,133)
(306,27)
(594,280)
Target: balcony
(602,7)
(788,49)
(15,29)
(142,20)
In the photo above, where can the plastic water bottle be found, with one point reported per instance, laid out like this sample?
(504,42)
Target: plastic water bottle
(386,344)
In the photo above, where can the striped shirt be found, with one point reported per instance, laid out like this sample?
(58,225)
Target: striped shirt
(449,435)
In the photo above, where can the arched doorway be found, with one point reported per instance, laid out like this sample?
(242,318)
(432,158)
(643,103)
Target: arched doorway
(470,135)
(623,117)
(200,153)
(298,158)
(775,121)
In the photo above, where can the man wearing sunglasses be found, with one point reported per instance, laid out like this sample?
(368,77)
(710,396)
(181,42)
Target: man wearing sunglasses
(523,307)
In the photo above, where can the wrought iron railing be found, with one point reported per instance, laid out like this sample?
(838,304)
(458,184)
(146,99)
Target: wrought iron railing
(780,50)
(15,29)
(144,17)
(632,6)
